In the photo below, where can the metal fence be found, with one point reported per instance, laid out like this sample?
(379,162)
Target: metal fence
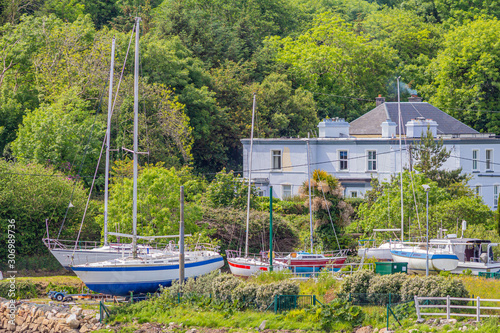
(478,309)
(291,302)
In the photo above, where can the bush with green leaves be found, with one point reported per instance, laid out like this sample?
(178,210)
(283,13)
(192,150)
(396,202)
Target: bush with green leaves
(383,285)
(245,295)
(433,286)
(266,292)
(223,285)
(358,282)
(339,311)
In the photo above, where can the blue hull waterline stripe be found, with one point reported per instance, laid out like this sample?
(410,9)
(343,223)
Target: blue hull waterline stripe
(423,255)
(124,289)
(142,268)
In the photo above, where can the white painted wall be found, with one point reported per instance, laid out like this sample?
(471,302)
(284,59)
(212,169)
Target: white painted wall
(325,155)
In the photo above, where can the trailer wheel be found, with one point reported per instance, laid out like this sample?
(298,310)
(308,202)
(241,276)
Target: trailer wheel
(59,297)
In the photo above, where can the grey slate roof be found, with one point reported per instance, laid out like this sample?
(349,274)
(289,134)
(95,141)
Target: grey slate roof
(369,123)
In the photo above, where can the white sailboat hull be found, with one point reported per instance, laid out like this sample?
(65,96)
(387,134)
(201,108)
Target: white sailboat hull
(383,252)
(139,276)
(68,257)
(477,267)
(416,260)
(246,267)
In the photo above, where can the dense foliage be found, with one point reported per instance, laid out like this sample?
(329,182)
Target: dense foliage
(30,203)
(201,64)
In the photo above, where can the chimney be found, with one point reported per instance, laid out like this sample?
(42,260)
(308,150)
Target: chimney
(388,129)
(416,128)
(334,128)
(380,100)
(414,99)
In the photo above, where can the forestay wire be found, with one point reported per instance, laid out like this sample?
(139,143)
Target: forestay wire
(102,147)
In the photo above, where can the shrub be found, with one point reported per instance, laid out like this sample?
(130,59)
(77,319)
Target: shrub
(358,282)
(338,311)
(433,286)
(223,285)
(266,292)
(356,285)
(383,285)
(245,295)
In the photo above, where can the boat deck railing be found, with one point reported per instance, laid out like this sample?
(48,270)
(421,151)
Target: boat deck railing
(262,256)
(63,244)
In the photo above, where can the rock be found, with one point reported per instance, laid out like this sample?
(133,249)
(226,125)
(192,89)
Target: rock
(420,321)
(365,329)
(98,317)
(385,330)
(72,322)
(414,330)
(84,329)
(262,325)
(76,310)
(11,327)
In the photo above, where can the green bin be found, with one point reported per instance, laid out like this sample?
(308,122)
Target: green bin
(488,275)
(384,268)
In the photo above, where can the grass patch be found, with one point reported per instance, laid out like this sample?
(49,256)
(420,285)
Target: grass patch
(482,287)
(37,265)
(35,287)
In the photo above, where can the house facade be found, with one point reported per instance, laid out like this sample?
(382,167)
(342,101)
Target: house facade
(368,147)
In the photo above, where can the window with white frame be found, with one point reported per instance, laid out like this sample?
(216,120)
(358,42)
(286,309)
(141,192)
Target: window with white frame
(286,191)
(475,156)
(353,194)
(489,159)
(495,195)
(342,159)
(260,193)
(372,160)
(276,159)
(477,190)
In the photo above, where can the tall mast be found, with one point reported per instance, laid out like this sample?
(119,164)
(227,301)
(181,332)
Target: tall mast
(108,141)
(309,181)
(249,177)
(400,162)
(136,129)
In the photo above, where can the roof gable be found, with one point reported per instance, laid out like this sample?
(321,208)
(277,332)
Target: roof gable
(370,122)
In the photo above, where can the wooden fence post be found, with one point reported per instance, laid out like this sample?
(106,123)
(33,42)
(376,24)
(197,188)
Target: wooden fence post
(478,309)
(448,307)
(417,307)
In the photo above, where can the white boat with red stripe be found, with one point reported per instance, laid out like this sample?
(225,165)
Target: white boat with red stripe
(252,264)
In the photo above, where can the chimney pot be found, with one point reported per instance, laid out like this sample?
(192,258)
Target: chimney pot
(414,99)
(379,100)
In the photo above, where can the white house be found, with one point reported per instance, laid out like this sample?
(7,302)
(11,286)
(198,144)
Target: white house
(368,147)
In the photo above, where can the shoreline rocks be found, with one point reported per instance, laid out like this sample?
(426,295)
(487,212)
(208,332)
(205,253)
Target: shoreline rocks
(31,318)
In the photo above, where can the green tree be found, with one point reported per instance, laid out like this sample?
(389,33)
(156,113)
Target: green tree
(445,206)
(327,203)
(430,155)
(66,10)
(31,194)
(157,201)
(58,134)
(217,30)
(18,92)
(458,11)
(416,41)
(334,61)
(227,190)
(351,11)
(465,75)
